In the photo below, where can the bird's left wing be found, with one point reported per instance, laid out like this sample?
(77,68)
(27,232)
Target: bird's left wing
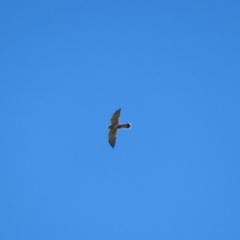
(112,136)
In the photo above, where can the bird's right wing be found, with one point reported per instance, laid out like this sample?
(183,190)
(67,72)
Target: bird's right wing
(115,116)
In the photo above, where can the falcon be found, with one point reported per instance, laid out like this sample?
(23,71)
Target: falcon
(115,125)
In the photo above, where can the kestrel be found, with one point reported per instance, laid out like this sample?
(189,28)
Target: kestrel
(115,125)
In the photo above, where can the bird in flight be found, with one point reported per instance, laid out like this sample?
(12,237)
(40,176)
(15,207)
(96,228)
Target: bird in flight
(115,125)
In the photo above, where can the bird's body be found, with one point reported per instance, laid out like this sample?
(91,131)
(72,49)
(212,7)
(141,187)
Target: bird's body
(115,125)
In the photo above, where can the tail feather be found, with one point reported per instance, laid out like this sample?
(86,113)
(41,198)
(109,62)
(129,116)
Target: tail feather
(125,125)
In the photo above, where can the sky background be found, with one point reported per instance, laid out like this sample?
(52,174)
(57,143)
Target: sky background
(174,69)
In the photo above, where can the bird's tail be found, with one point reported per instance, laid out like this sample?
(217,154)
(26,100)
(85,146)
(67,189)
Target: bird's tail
(124,125)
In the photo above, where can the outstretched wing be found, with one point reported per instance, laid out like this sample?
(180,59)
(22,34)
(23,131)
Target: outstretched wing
(115,116)
(112,135)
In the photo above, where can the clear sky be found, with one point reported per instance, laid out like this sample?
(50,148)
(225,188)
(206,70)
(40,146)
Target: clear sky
(174,69)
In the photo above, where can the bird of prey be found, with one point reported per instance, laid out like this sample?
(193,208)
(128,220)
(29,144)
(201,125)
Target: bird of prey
(115,125)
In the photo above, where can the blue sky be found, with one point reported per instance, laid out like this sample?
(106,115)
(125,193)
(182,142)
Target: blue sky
(173,68)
